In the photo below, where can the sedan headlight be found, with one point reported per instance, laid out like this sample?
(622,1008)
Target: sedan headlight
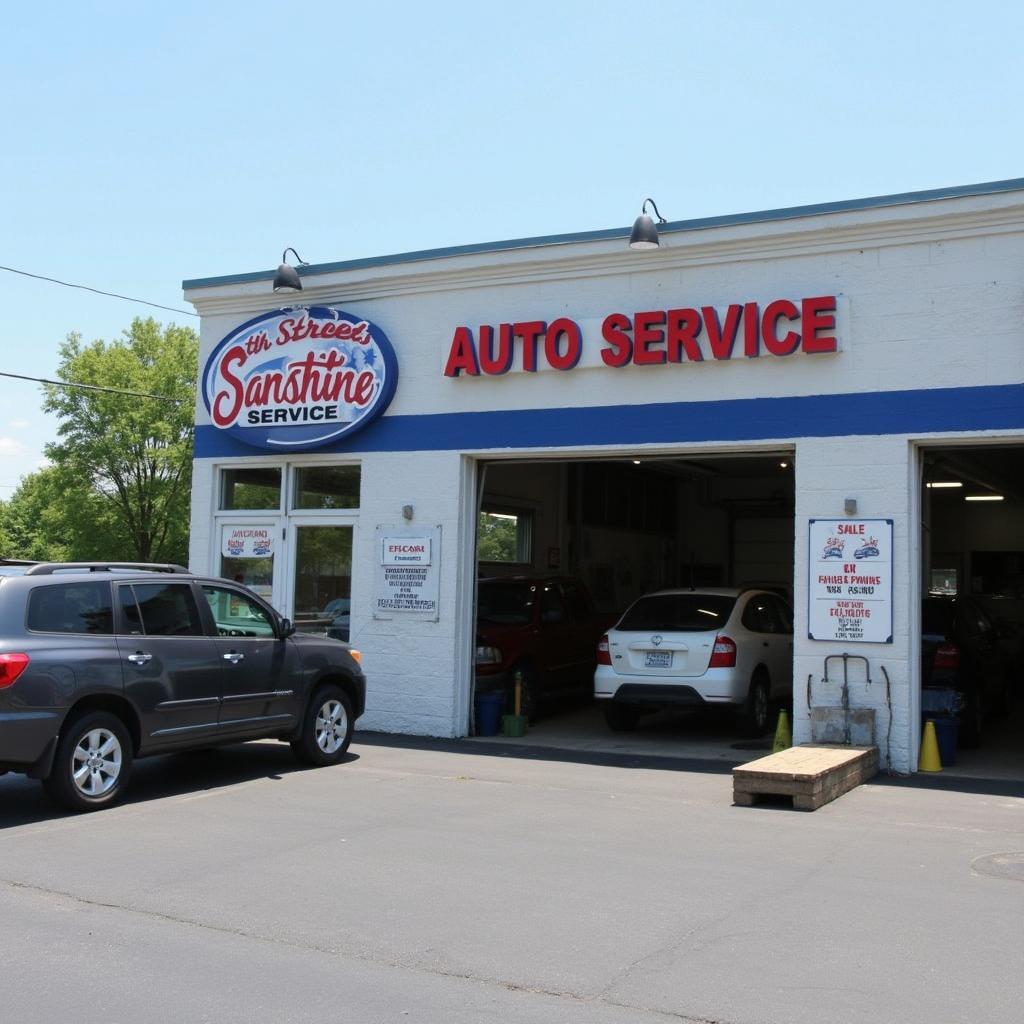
(488,656)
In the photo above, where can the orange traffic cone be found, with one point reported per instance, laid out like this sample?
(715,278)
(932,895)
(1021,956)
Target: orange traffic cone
(930,760)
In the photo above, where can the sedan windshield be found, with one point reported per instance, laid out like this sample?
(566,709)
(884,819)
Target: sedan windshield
(508,604)
(678,613)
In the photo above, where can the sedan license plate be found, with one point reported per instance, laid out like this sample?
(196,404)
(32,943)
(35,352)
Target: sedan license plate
(658,659)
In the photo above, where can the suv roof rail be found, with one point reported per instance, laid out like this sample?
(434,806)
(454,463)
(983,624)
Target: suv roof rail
(49,568)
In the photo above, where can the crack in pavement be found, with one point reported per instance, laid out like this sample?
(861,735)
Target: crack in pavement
(511,986)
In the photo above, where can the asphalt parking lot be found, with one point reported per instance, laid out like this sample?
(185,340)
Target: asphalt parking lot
(456,883)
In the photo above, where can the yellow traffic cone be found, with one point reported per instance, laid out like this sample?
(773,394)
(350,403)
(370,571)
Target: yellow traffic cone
(930,760)
(783,737)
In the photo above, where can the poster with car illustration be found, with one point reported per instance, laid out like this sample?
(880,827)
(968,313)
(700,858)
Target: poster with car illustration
(850,580)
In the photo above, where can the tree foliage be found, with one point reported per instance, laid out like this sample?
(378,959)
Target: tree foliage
(496,538)
(121,476)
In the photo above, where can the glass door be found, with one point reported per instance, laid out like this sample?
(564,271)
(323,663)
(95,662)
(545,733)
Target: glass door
(250,553)
(321,560)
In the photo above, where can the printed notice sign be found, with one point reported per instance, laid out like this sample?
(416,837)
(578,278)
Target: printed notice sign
(850,584)
(247,542)
(407,574)
(405,550)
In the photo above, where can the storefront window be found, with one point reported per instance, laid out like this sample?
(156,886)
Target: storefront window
(323,579)
(503,536)
(327,487)
(257,488)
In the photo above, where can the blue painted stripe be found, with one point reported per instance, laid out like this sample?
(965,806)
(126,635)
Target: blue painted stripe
(696,224)
(936,410)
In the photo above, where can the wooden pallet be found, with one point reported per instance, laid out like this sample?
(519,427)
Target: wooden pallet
(812,774)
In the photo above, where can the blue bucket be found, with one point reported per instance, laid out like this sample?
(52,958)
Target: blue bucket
(489,707)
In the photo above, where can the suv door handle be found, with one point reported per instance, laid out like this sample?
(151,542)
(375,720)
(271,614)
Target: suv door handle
(234,657)
(139,658)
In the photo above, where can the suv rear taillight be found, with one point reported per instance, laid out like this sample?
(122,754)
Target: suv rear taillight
(947,656)
(724,653)
(11,666)
(604,656)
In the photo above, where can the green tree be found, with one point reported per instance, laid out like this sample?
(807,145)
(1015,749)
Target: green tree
(130,458)
(496,538)
(53,517)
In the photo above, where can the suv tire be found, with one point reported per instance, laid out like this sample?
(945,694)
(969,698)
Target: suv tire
(326,728)
(93,762)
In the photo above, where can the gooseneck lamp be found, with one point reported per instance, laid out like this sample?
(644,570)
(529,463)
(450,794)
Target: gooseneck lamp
(287,277)
(645,234)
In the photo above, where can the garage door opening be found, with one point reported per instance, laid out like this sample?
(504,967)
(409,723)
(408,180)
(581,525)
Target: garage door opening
(972,614)
(564,548)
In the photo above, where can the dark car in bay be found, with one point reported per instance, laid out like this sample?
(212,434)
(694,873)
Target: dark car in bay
(102,663)
(542,631)
(960,651)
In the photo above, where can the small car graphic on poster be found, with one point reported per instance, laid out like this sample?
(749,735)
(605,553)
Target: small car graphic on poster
(870,549)
(236,548)
(834,547)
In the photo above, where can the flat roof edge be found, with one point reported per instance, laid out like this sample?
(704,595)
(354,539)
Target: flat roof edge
(723,220)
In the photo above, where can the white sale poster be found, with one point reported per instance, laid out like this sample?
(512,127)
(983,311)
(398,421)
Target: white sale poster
(850,580)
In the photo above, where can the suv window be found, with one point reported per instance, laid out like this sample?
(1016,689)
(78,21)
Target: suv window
(678,613)
(506,604)
(238,615)
(763,615)
(71,608)
(160,609)
(579,609)
(552,610)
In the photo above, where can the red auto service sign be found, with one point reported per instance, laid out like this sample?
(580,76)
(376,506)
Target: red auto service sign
(299,378)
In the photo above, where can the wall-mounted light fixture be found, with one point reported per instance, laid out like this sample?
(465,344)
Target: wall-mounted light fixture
(943,484)
(287,277)
(407,513)
(644,234)
(983,497)
(850,506)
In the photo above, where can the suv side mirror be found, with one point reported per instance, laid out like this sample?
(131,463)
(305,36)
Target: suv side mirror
(285,628)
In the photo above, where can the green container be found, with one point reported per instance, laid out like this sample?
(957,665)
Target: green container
(513,725)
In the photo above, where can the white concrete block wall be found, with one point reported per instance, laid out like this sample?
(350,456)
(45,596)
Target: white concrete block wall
(931,297)
(877,472)
(413,667)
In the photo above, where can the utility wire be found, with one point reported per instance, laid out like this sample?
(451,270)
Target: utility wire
(92,387)
(98,291)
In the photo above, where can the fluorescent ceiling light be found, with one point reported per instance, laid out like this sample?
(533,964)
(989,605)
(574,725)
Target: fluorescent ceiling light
(983,497)
(945,483)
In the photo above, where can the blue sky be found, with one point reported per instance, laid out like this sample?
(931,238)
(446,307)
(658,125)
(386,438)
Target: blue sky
(144,144)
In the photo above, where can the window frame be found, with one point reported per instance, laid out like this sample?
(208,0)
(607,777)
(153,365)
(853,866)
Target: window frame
(526,516)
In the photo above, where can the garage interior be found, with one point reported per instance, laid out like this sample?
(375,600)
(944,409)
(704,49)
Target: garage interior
(627,526)
(972,553)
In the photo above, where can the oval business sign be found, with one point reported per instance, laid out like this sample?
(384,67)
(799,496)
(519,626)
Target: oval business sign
(299,378)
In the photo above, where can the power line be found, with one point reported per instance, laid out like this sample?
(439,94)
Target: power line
(98,291)
(92,387)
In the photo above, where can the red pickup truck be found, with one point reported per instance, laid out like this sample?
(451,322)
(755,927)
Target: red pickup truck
(545,628)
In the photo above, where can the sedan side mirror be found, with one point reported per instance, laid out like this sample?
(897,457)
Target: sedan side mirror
(285,628)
